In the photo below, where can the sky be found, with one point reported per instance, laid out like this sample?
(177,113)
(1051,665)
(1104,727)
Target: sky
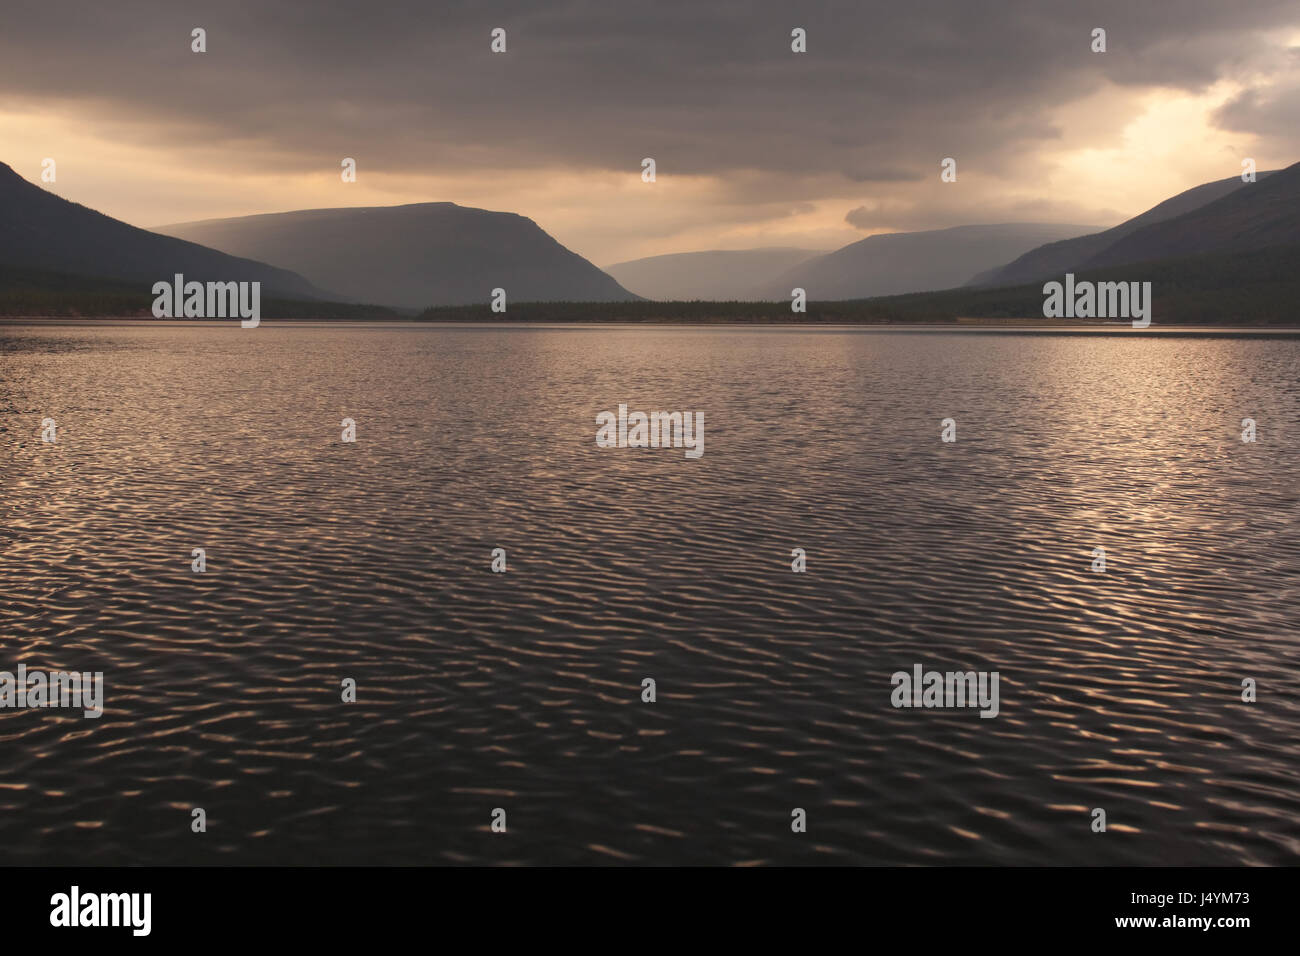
(754,144)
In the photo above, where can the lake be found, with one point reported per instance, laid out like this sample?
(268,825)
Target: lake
(372,561)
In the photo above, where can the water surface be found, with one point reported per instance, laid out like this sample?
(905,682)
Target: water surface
(522,690)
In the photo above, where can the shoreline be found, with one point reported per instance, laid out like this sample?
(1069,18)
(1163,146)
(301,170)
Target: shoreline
(967,326)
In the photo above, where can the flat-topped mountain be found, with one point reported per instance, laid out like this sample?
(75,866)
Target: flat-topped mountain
(413,256)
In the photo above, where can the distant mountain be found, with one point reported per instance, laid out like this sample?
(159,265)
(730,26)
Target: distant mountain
(1257,288)
(717,275)
(901,262)
(42,231)
(413,256)
(1057,258)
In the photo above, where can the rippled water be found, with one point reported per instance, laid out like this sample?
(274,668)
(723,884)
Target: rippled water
(522,690)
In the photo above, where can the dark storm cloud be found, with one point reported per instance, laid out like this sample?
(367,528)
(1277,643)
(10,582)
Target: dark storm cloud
(885,91)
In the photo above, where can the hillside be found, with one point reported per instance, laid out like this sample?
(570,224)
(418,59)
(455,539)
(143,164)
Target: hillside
(36,292)
(716,275)
(1057,258)
(901,262)
(44,232)
(412,256)
(1257,216)
(1259,288)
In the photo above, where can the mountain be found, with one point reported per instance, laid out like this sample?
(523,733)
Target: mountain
(413,256)
(1256,216)
(717,275)
(1234,289)
(1057,258)
(42,231)
(901,262)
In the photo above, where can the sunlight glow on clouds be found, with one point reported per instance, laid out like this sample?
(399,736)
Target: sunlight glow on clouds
(754,147)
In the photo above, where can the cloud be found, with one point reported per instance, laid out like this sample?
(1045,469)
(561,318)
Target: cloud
(709,88)
(1270,109)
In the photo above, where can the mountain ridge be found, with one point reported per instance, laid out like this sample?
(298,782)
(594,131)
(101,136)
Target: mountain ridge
(709,274)
(898,263)
(413,255)
(42,230)
(1258,215)
(1057,258)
